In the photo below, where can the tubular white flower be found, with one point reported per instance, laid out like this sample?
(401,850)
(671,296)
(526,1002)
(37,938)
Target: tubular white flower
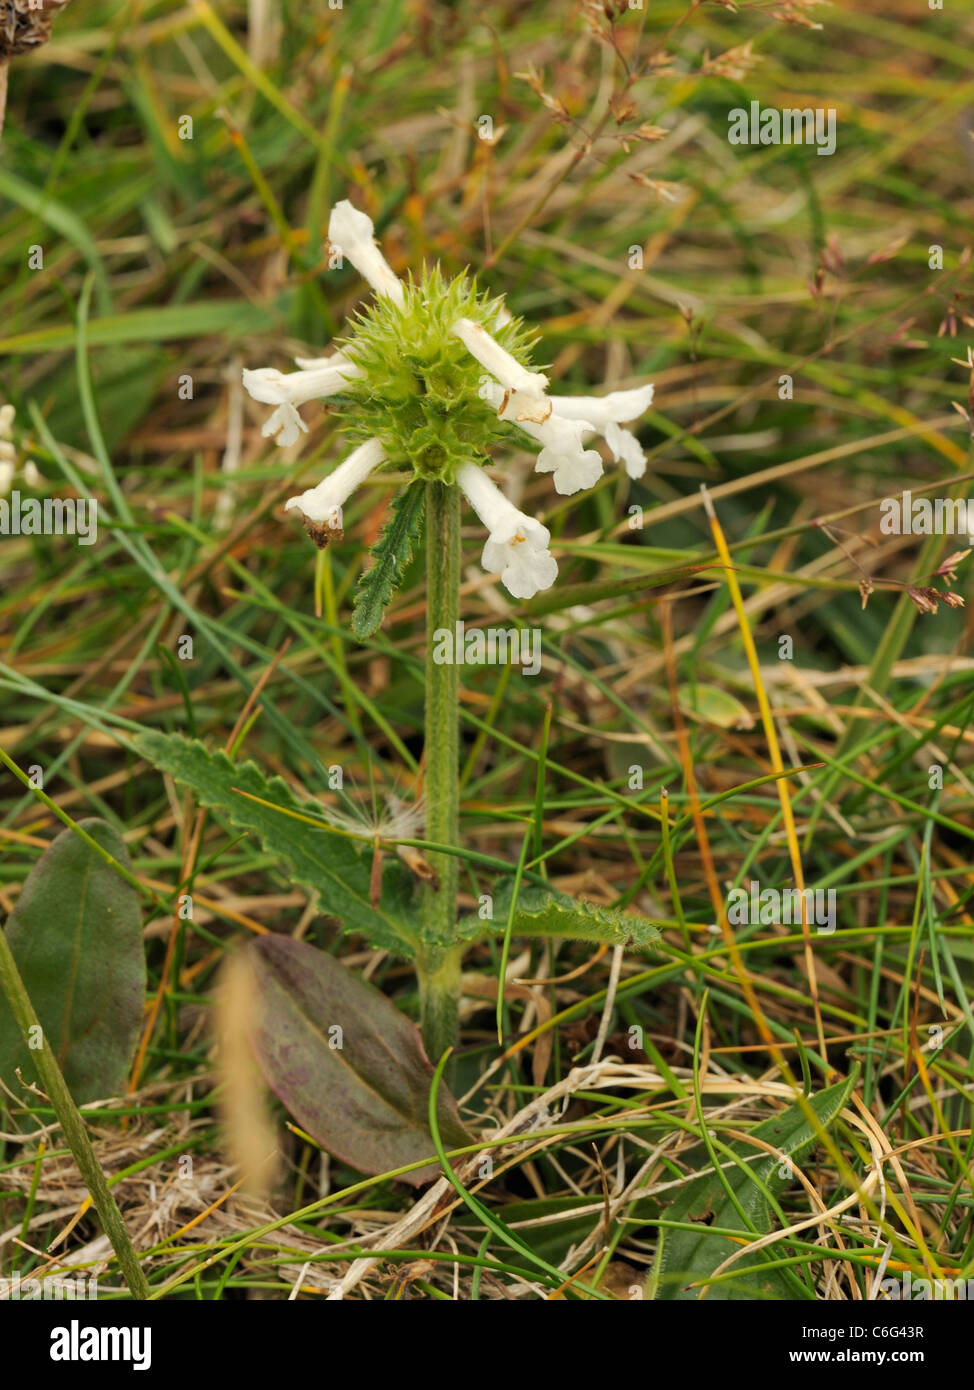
(572,466)
(603,414)
(530,386)
(272,387)
(517,545)
(321,506)
(353,234)
(286,390)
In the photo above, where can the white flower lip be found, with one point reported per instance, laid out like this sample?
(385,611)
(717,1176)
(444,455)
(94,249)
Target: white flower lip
(285,425)
(572,467)
(321,506)
(9,462)
(627,449)
(353,234)
(517,545)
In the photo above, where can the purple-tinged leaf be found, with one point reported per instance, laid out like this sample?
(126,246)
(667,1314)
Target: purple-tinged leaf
(346,1064)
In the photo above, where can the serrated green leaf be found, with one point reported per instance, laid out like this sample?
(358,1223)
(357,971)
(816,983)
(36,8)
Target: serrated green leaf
(319,856)
(391,554)
(76,935)
(685,1258)
(544,912)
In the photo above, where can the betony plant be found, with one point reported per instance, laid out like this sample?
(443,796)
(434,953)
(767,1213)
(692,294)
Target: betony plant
(434,376)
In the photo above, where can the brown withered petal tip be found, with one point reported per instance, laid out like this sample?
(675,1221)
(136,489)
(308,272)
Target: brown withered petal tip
(321,533)
(24,25)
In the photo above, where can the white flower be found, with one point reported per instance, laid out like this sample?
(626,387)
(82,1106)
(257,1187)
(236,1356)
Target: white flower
(602,414)
(517,545)
(573,467)
(273,387)
(8,455)
(352,233)
(322,506)
(529,386)
(287,390)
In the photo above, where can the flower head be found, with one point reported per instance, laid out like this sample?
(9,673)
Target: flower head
(924,598)
(435,376)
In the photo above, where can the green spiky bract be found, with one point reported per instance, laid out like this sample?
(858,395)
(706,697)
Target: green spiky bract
(419,394)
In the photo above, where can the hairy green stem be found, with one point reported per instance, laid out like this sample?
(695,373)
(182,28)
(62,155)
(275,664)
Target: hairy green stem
(438,964)
(72,1125)
(438,969)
